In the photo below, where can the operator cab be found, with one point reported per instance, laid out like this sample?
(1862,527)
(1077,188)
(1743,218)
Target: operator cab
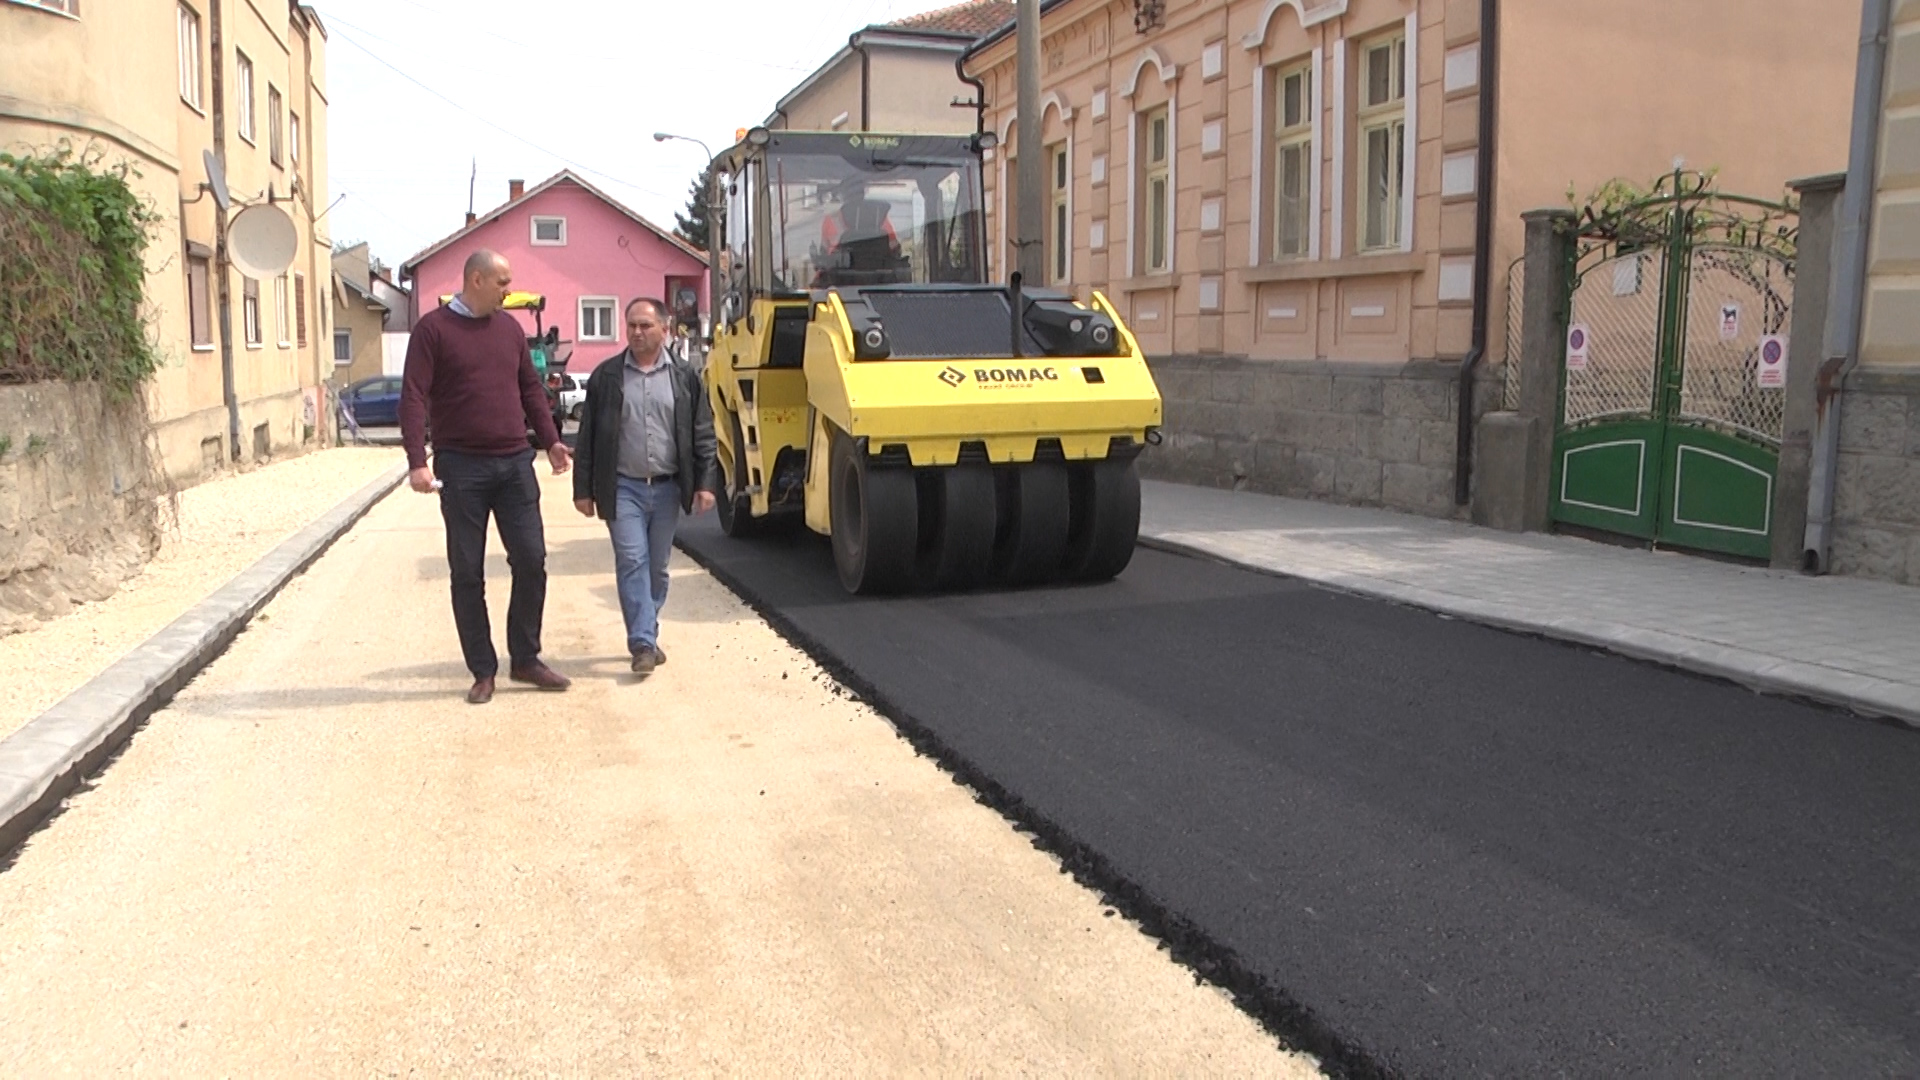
(807,211)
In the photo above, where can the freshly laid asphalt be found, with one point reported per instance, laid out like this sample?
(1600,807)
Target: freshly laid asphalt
(1412,845)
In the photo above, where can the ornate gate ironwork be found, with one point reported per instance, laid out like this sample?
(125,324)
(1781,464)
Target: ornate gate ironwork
(1668,430)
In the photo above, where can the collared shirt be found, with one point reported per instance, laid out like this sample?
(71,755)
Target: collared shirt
(647,446)
(459,306)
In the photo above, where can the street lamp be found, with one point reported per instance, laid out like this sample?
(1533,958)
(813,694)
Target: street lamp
(715,209)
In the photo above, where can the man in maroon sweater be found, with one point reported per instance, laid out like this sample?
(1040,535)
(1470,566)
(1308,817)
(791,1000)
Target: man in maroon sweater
(470,379)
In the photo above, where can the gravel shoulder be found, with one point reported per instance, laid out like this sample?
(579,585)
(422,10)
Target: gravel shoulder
(223,526)
(319,861)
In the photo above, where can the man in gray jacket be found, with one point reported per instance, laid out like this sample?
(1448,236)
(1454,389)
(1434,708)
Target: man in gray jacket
(644,454)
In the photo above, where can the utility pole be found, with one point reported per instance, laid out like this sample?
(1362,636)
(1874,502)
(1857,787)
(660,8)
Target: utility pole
(1030,226)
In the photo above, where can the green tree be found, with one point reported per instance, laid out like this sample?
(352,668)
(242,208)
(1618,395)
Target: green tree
(692,224)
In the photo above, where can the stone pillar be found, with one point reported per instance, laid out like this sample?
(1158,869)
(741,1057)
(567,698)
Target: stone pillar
(1812,292)
(1514,465)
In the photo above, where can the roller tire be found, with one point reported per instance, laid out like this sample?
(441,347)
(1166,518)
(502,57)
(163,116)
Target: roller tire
(957,515)
(735,506)
(1105,501)
(875,524)
(1030,536)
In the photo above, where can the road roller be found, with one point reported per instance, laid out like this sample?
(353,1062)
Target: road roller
(871,383)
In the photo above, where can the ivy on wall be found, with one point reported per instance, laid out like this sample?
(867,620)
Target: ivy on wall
(73,242)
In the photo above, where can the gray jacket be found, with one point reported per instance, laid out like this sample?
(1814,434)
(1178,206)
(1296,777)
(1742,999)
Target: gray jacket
(596,455)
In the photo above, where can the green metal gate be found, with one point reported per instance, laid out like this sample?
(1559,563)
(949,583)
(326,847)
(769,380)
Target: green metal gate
(1673,387)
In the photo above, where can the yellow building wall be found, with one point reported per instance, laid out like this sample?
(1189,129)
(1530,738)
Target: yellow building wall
(112,78)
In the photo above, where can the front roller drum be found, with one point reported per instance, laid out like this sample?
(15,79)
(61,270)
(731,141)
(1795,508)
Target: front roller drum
(1030,537)
(875,520)
(1105,499)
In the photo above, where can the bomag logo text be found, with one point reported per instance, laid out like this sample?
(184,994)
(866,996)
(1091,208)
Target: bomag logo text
(1016,376)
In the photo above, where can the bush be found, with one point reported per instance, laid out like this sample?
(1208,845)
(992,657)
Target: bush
(73,242)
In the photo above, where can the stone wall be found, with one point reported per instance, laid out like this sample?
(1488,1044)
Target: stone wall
(1373,434)
(1876,527)
(79,499)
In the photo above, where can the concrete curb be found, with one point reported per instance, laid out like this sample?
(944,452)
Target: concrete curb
(1862,694)
(48,758)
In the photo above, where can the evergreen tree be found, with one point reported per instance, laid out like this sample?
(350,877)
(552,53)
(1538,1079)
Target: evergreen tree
(692,225)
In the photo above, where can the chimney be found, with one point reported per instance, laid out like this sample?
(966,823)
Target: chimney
(515,189)
(472,217)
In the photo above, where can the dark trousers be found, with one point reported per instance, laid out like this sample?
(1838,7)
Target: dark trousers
(473,487)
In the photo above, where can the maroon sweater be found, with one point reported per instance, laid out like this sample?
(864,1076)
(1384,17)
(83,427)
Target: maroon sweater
(473,381)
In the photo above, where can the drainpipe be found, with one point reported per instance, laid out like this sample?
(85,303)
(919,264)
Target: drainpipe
(1482,252)
(222,268)
(979,102)
(866,80)
(1845,313)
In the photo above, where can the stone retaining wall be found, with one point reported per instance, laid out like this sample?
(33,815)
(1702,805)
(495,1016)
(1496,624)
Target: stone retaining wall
(1876,527)
(1374,434)
(79,499)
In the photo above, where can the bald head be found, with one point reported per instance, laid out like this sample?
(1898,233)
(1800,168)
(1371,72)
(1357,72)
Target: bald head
(484,282)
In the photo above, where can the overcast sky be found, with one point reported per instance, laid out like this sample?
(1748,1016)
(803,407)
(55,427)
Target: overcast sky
(420,89)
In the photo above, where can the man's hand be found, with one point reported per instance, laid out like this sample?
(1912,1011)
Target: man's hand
(561,457)
(585,506)
(421,480)
(702,501)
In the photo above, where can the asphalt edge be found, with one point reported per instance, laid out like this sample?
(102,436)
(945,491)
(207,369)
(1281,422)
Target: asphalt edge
(55,752)
(1866,696)
(1295,1027)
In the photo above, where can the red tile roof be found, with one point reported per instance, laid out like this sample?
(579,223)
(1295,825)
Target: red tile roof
(976,17)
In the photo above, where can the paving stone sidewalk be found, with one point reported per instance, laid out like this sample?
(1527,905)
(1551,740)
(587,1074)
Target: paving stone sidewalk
(1844,641)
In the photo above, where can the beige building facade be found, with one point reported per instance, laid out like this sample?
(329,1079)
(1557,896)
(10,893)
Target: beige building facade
(900,77)
(1282,196)
(137,83)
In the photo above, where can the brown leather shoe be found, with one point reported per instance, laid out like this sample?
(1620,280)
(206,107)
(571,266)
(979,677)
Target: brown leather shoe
(482,691)
(540,675)
(645,660)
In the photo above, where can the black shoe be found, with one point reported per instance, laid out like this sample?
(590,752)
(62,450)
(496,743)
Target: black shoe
(645,659)
(539,675)
(659,655)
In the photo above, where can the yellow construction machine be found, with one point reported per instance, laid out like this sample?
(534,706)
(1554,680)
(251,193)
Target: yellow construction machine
(867,378)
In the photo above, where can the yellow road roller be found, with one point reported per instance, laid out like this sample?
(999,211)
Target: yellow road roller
(869,380)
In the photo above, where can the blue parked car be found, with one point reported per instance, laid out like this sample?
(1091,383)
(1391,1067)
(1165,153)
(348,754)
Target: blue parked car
(373,402)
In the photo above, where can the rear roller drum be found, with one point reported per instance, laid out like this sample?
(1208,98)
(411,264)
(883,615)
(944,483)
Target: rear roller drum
(875,521)
(957,515)
(1030,537)
(1105,497)
(734,504)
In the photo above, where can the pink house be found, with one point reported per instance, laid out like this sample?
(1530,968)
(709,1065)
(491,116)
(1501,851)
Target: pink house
(581,249)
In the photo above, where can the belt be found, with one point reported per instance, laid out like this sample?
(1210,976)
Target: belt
(650,480)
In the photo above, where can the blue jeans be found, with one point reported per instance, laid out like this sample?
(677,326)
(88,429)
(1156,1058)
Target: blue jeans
(644,516)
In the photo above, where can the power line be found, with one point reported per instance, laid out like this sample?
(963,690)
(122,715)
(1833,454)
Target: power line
(336,21)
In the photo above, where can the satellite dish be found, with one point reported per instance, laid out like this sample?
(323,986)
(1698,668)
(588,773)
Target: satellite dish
(216,180)
(262,241)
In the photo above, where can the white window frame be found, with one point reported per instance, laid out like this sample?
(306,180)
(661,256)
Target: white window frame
(69,8)
(293,137)
(250,312)
(200,302)
(190,63)
(282,316)
(1390,211)
(276,142)
(343,333)
(1060,213)
(243,83)
(533,230)
(612,305)
(1152,170)
(1303,135)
